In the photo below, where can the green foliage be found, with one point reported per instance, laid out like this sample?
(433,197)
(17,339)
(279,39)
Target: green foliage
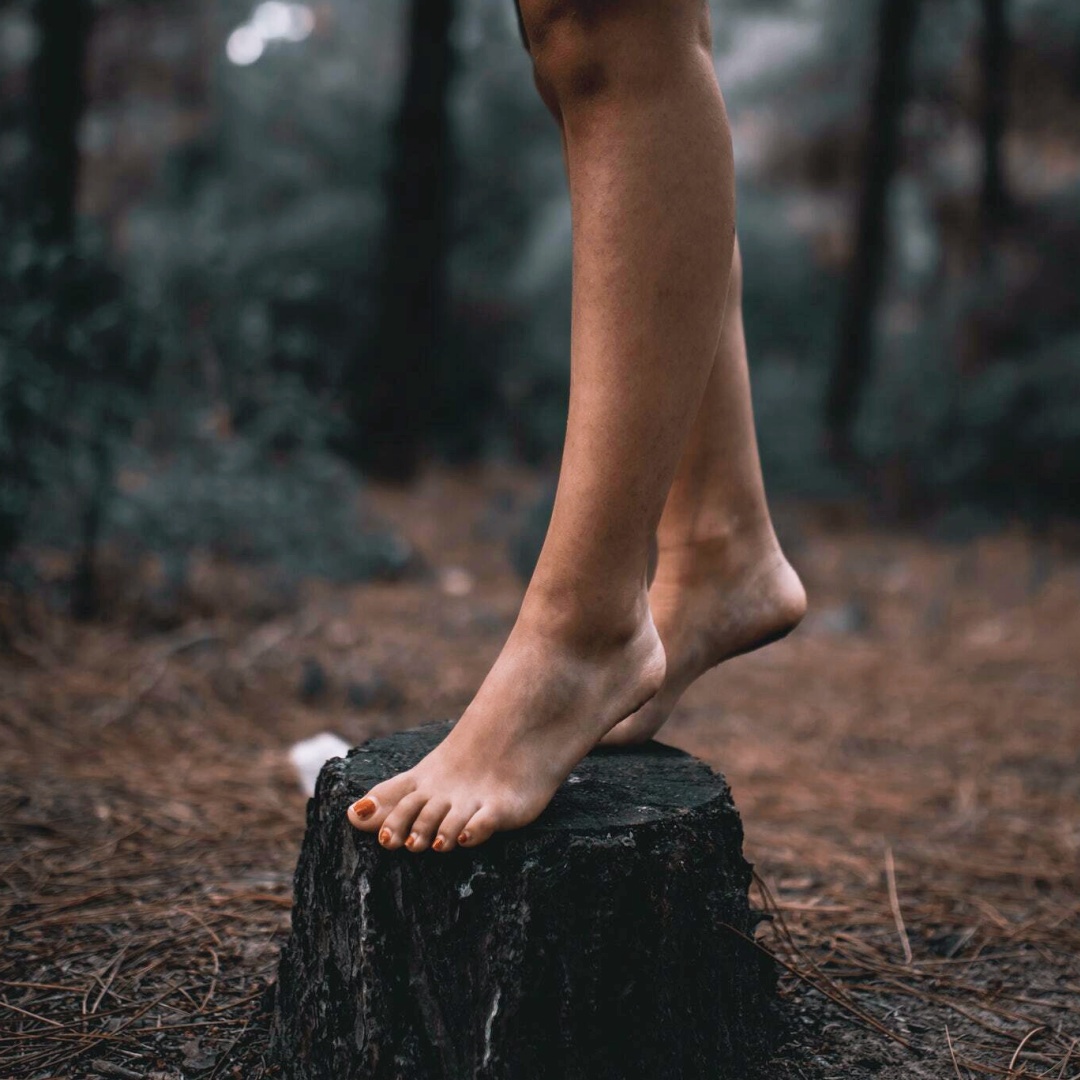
(1017,433)
(244,299)
(973,397)
(74,369)
(1048,17)
(299,512)
(261,253)
(1005,431)
(210,368)
(790,304)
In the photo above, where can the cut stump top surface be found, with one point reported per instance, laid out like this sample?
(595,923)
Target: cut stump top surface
(611,788)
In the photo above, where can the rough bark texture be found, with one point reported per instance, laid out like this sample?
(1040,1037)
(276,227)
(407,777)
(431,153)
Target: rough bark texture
(606,941)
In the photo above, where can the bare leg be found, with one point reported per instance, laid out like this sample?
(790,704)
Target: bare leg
(722,584)
(652,195)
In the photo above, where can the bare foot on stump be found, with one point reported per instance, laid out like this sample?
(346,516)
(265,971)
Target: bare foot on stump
(543,707)
(652,190)
(712,601)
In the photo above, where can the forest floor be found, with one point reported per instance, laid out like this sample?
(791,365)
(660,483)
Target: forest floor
(907,766)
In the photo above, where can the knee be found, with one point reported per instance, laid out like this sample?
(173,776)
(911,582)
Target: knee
(583,49)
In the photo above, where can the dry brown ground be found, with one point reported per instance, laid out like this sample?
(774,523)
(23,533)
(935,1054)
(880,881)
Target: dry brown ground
(907,766)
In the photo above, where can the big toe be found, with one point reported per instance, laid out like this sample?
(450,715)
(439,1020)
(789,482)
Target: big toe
(369,813)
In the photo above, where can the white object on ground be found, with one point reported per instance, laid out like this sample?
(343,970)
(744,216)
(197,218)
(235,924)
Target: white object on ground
(310,755)
(456,581)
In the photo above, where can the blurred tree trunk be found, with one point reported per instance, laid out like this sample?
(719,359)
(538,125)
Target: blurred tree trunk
(995,202)
(46,196)
(393,389)
(1076,66)
(892,84)
(85,586)
(57,101)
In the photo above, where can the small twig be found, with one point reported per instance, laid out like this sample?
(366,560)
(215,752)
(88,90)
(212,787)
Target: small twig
(213,981)
(33,1016)
(894,903)
(826,988)
(952,1053)
(202,922)
(1023,1042)
(254,898)
(105,987)
(224,1055)
(107,1068)
(1068,1058)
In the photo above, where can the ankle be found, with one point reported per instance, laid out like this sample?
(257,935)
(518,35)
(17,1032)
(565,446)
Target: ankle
(564,616)
(750,533)
(741,549)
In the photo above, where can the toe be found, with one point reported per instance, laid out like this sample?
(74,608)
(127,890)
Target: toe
(479,827)
(400,820)
(450,827)
(427,821)
(362,813)
(369,813)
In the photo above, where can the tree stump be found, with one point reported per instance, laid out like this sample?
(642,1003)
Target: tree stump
(609,940)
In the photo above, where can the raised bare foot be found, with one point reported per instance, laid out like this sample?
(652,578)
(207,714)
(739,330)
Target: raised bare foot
(711,601)
(546,703)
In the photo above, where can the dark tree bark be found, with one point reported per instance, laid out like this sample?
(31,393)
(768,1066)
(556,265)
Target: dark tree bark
(995,201)
(57,101)
(891,88)
(393,389)
(610,939)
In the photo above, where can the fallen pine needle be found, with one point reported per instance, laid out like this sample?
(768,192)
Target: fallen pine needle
(33,1016)
(1068,1058)
(952,1053)
(1023,1042)
(894,903)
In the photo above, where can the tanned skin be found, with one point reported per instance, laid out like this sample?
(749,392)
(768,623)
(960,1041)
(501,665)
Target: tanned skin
(660,453)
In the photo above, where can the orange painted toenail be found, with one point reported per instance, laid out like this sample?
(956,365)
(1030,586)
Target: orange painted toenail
(411,841)
(439,844)
(364,808)
(463,838)
(385,836)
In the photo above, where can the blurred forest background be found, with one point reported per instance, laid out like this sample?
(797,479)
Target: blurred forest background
(252,253)
(284,335)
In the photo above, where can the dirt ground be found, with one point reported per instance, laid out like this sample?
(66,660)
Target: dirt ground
(907,766)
